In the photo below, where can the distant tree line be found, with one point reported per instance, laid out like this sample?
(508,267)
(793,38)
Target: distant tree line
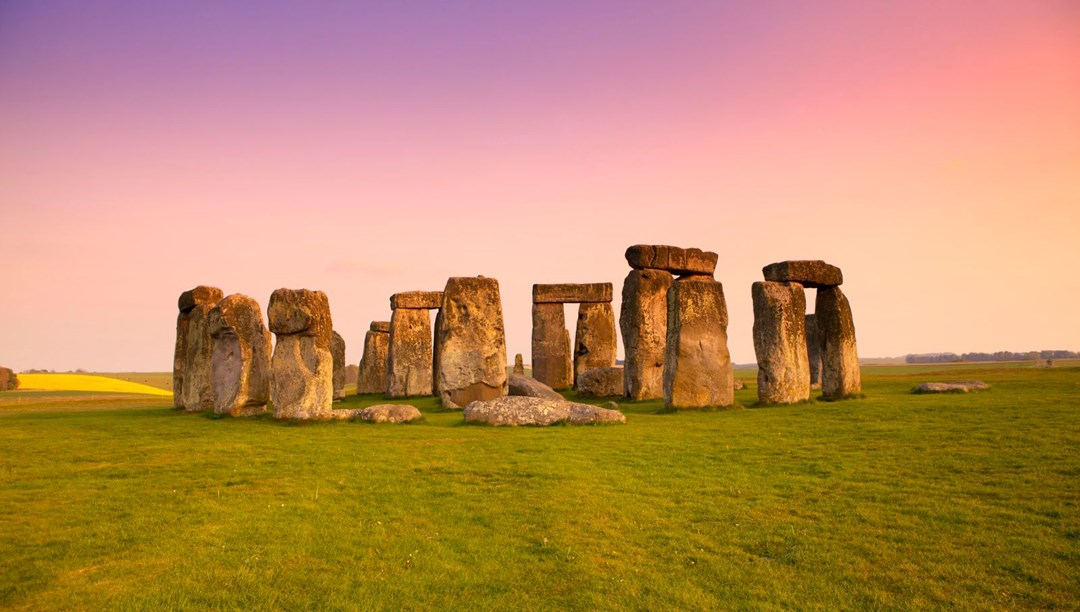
(998,356)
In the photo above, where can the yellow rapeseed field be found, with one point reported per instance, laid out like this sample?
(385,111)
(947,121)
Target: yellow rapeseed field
(85,382)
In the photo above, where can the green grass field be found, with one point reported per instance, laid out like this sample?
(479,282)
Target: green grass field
(893,501)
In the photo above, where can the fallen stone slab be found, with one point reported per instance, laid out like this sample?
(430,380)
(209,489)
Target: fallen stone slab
(812,274)
(584,414)
(526,386)
(426,300)
(515,411)
(572,293)
(389,413)
(676,260)
(961,386)
(601,382)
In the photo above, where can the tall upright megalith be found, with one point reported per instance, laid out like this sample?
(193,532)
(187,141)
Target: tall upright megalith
(192,349)
(643,322)
(697,364)
(595,341)
(371,375)
(780,342)
(551,363)
(302,367)
(840,375)
(471,342)
(409,357)
(240,361)
(337,352)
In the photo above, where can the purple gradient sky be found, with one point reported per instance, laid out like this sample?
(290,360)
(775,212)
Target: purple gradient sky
(930,149)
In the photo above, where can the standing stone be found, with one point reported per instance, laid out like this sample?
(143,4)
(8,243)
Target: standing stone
(551,346)
(601,382)
(697,365)
(302,386)
(780,342)
(643,322)
(198,380)
(240,362)
(519,365)
(186,303)
(9,381)
(813,350)
(371,376)
(409,358)
(840,375)
(594,339)
(471,342)
(337,351)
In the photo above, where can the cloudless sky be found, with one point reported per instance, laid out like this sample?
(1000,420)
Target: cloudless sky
(929,148)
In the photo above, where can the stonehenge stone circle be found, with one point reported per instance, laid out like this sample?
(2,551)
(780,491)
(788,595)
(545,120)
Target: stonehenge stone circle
(471,341)
(519,365)
(812,274)
(813,350)
(240,361)
(697,364)
(302,386)
(9,380)
(643,323)
(780,342)
(371,377)
(551,362)
(199,296)
(675,260)
(409,362)
(840,374)
(337,351)
(594,339)
(601,382)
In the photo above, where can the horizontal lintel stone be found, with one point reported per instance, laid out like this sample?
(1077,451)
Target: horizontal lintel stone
(812,274)
(572,293)
(428,300)
(676,260)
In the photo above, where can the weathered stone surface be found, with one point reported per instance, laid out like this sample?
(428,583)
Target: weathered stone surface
(187,301)
(371,377)
(739,385)
(472,342)
(643,322)
(959,386)
(525,386)
(202,294)
(390,413)
(428,300)
(813,350)
(380,326)
(240,357)
(812,274)
(551,363)
(601,382)
(570,293)
(337,352)
(516,411)
(409,358)
(9,380)
(302,386)
(676,260)
(840,374)
(519,365)
(198,393)
(595,339)
(780,342)
(697,365)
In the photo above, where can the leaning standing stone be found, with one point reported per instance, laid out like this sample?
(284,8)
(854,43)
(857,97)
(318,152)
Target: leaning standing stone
(186,303)
(697,367)
(302,366)
(840,375)
(551,363)
(337,351)
(471,342)
(240,364)
(643,322)
(371,375)
(594,339)
(780,342)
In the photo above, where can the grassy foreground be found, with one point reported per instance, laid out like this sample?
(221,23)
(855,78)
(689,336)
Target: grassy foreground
(893,501)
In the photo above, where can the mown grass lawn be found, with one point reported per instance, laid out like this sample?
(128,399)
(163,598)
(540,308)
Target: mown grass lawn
(893,501)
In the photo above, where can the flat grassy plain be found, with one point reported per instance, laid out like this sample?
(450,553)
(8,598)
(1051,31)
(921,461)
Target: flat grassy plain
(893,501)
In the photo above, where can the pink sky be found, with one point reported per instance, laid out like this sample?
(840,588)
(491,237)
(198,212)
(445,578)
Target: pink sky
(930,149)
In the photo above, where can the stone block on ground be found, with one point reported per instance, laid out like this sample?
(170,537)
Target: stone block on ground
(601,382)
(959,386)
(513,411)
(390,413)
(525,386)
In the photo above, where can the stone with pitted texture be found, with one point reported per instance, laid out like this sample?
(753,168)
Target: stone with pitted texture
(780,342)
(551,362)
(840,374)
(524,386)
(302,385)
(390,413)
(697,365)
(240,361)
(186,303)
(519,365)
(595,342)
(409,358)
(337,351)
(643,322)
(676,260)
(471,342)
(571,293)
(812,274)
(513,411)
(202,294)
(584,414)
(198,393)
(371,375)
(426,300)
(601,382)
